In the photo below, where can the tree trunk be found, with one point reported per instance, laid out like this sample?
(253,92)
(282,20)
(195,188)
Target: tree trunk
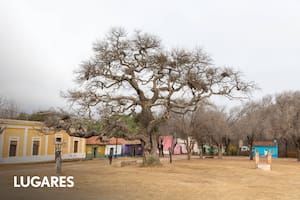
(151,159)
(150,155)
(220,151)
(189,155)
(170,154)
(188,151)
(286,148)
(202,151)
(227,143)
(174,143)
(251,153)
(250,143)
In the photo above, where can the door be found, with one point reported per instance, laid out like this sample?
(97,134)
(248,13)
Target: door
(95,150)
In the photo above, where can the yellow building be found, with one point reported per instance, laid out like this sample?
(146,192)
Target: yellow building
(23,141)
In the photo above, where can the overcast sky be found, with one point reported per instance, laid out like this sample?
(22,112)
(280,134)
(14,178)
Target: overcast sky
(43,42)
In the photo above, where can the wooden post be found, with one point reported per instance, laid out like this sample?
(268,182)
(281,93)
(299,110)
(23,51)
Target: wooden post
(269,159)
(256,159)
(58,165)
(170,153)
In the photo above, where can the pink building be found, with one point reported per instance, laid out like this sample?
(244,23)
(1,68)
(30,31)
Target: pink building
(180,147)
(167,142)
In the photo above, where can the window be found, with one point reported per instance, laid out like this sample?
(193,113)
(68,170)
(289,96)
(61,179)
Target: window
(35,148)
(58,140)
(13,148)
(75,146)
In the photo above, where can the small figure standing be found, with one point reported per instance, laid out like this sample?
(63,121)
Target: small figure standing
(110,156)
(162,148)
(266,152)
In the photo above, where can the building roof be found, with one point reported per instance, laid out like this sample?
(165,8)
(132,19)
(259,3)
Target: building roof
(116,141)
(94,140)
(129,142)
(20,122)
(111,141)
(264,143)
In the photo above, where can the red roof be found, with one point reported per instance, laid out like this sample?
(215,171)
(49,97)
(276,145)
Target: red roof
(116,141)
(94,140)
(112,141)
(264,143)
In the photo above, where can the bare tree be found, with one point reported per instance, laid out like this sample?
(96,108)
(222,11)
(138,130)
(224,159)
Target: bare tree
(8,109)
(211,127)
(220,133)
(182,127)
(254,122)
(287,119)
(134,75)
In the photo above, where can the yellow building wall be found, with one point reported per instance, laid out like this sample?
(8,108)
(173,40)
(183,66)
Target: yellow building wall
(81,144)
(51,142)
(35,133)
(101,150)
(13,132)
(19,131)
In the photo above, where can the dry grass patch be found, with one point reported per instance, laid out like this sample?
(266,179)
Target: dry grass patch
(230,178)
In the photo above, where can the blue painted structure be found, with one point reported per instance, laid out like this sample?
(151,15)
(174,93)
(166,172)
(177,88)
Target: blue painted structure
(265,146)
(132,150)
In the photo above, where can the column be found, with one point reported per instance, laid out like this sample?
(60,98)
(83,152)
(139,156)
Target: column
(46,145)
(2,144)
(83,145)
(69,144)
(25,142)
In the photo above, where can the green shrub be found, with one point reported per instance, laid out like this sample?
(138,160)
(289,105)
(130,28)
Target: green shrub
(233,150)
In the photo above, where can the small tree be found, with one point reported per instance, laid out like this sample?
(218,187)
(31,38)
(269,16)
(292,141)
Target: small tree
(211,125)
(182,127)
(254,122)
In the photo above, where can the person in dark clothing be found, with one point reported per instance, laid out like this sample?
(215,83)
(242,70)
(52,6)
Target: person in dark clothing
(110,156)
(162,148)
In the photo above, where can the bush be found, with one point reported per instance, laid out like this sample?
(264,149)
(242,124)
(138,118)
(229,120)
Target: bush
(233,150)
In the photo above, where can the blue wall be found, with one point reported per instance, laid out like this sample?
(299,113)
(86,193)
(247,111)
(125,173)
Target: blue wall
(261,150)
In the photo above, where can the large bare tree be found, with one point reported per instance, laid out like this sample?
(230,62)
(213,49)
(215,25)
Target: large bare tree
(134,75)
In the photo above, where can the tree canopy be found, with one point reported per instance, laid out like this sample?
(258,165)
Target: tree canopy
(134,75)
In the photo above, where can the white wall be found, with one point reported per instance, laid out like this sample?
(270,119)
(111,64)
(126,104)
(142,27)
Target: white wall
(119,149)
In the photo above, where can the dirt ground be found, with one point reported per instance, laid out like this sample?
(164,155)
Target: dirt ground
(230,178)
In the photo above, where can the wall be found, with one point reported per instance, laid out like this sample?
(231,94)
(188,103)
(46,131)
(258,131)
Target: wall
(128,150)
(119,149)
(261,150)
(90,151)
(25,132)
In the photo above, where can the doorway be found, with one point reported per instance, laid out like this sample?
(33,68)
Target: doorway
(95,149)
